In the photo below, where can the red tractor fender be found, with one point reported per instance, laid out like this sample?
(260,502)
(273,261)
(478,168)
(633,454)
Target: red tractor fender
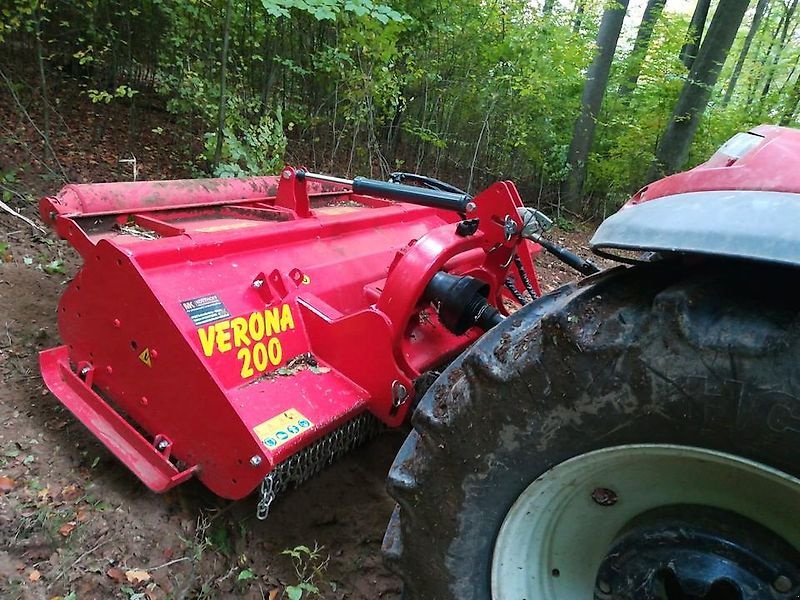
(744,202)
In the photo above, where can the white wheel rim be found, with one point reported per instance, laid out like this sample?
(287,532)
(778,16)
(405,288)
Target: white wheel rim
(555,537)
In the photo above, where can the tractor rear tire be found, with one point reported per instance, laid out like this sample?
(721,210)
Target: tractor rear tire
(627,436)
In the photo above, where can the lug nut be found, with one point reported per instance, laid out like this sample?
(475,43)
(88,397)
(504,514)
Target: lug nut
(163,445)
(604,496)
(782,584)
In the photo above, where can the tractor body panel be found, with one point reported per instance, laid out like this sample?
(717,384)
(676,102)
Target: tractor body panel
(743,202)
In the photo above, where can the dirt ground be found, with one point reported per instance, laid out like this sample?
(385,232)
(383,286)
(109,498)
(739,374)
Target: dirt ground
(74,523)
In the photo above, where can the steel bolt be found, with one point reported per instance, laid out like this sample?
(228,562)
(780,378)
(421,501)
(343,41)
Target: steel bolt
(470,206)
(287,174)
(163,445)
(255,460)
(604,496)
(782,584)
(258,283)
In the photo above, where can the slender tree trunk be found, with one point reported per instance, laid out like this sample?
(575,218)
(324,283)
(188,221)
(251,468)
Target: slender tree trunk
(792,103)
(737,70)
(673,148)
(591,101)
(781,46)
(223,75)
(695,33)
(649,19)
(788,79)
(764,71)
(580,8)
(43,85)
(547,8)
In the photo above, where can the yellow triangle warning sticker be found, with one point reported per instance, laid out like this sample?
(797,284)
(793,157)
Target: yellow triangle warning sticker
(145,357)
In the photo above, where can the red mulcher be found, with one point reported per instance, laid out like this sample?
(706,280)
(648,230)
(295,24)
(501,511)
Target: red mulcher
(220,327)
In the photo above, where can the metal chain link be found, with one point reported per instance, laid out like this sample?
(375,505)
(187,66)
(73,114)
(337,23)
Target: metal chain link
(312,459)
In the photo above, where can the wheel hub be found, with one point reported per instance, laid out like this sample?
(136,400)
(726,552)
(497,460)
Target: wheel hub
(652,522)
(689,552)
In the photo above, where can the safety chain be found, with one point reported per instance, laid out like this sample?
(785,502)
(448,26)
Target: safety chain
(312,459)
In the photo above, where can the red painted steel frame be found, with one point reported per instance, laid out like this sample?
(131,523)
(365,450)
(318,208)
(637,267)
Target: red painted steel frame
(181,327)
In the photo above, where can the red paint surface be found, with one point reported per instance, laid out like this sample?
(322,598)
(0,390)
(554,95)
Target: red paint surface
(763,168)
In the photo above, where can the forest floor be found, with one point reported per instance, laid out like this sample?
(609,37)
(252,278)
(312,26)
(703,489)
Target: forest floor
(74,523)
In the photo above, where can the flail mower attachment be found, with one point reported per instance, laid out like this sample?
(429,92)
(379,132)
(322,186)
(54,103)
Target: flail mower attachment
(248,331)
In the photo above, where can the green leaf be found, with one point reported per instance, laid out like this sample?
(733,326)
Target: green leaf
(245,574)
(53,267)
(294,592)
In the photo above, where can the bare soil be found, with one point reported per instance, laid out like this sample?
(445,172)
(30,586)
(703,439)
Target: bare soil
(74,523)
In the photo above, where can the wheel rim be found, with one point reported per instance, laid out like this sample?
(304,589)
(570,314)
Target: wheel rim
(562,538)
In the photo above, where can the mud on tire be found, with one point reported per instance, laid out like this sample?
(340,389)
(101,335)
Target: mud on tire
(702,356)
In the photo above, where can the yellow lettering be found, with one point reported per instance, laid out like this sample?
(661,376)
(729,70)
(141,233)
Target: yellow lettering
(239,325)
(223,336)
(287,320)
(275,351)
(260,357)
(273,321)
(244,356)
(256,326)
(207,339)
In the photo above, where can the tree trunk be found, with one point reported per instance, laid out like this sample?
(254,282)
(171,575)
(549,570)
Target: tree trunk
(651,15)
(547,9)
(580,8)
(737,70)
(226,34)
(43,85)
(695,33)
(591,101)
(781,46)
(792,103)
(673,148)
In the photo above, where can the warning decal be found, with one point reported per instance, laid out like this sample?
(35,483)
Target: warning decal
(146,358)
(280,429)
(205,309)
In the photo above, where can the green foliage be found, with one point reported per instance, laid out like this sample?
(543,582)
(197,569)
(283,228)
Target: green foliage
(248,148)
(104,97)
(465,90)
(310,566)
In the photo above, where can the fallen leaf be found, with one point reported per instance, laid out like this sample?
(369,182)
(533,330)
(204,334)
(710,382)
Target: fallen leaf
(67,528)
(70,492)
(273,594)
(137,576)
(82,515)
(7,484)
(34,575)
(116,574)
